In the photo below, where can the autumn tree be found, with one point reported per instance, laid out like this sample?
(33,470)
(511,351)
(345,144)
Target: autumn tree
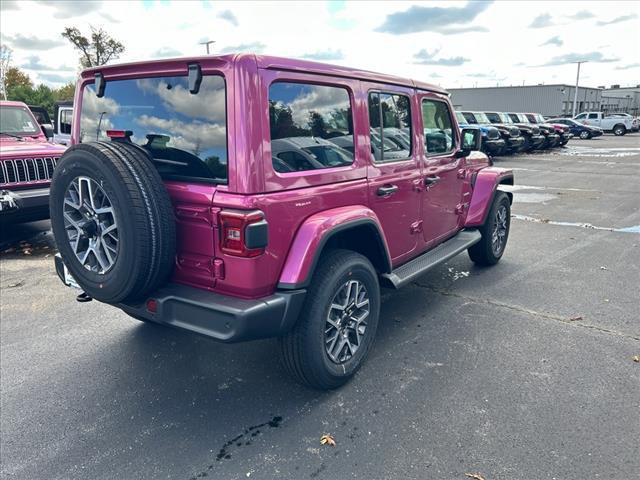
(16,78)
(97,49)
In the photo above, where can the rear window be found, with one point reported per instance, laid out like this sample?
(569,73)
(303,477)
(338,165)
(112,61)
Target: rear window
(185,133)
(311,127)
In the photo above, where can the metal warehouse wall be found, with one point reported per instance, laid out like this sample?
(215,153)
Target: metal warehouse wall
(544,99)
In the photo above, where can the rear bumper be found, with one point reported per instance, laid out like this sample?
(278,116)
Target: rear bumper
(220,317)
(21,205)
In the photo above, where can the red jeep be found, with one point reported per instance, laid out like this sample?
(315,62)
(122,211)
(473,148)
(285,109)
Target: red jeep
(244,197)
(27,161)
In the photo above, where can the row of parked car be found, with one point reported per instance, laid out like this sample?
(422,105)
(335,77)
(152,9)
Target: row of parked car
(505,133)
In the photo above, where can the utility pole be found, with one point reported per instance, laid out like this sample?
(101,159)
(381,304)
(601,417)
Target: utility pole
(575,94)
(207,43)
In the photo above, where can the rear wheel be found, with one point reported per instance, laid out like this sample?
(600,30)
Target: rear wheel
(335,332)
(585,135)
(495,233)
(619,130)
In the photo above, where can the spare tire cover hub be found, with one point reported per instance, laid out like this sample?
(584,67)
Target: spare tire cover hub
(91,225)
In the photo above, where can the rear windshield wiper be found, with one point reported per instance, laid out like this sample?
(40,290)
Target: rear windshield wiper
(19,137)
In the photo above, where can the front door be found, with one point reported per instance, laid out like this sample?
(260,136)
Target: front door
(443,173)
(394,174)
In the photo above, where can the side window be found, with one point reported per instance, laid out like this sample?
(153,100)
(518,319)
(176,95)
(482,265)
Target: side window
(514,118)
(438,131)
(468,117)
(593,116)
(581,116)
(389,126)
(65,121)
(531,118)
(493,117)
(311,127)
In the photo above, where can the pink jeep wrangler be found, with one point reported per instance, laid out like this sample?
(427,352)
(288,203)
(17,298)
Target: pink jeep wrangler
(27,161)
(244,197)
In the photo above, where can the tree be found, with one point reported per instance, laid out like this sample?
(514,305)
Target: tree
(17,78)
(96,50)
(5,62)
(64,93)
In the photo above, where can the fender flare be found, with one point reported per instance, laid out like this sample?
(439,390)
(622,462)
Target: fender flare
(313,235)
(484,190)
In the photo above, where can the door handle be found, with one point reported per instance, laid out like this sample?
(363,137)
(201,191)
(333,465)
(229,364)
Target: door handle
(428,181)
(387,190)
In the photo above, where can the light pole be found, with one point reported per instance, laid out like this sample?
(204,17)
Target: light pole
(207,43)
(575,94)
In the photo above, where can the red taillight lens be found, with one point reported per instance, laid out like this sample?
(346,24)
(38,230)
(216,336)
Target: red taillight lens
(242,233)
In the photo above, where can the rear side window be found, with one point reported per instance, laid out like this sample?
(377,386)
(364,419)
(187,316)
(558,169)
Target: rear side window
(593,115)
(389,126)
(438,130)
(65,121)
(185,133)
(311,127)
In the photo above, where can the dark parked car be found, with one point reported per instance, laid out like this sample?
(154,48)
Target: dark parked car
(578,129)
(492,144)
(532,138)
(513,140)
(551,138)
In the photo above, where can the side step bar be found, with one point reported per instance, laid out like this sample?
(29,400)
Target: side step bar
(407,272)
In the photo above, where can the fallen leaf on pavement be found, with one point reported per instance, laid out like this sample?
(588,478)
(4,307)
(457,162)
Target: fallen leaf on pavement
(475,476)
(327,439)
(636,358)
(576,318)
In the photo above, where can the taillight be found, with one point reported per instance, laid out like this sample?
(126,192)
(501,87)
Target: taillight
(243,233)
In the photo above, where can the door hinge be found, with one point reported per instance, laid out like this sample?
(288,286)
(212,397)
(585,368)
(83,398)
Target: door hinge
(461,207)
(416,227)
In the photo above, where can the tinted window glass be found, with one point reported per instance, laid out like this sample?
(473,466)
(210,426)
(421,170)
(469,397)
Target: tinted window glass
(493,117)
(438,131)
(581,116)
(593,115)
(531,118)
(65,121)
(468,116)
(311,127)
(514,117)
(185,133)
(391,137)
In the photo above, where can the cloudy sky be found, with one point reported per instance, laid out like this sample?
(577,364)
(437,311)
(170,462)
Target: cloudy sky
(451,43)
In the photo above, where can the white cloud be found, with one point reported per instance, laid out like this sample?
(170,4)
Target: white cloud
(195,136)
(313,27)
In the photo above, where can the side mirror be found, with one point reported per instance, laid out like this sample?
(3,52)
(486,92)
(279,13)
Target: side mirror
(47,130)
(471,141)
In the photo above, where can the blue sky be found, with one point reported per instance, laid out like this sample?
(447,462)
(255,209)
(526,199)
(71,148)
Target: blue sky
(453,44)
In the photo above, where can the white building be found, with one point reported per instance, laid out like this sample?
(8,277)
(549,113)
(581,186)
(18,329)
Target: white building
(556,99)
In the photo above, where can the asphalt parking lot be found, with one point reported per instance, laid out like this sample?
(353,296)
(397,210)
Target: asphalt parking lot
(521,371)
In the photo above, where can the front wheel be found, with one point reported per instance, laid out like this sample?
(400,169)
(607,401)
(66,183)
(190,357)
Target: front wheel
(584,135)
(335,332)
(495,232)
(619,130)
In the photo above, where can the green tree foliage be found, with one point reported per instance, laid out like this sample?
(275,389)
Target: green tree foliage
(20,88)
(97,49)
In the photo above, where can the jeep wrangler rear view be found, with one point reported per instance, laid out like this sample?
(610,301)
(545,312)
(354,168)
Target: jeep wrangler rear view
(243,197)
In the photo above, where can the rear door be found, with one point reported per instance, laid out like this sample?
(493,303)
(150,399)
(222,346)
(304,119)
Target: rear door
(394,175)
(443,173)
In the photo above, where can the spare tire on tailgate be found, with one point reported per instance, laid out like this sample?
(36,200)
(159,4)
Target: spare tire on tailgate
(112,220)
